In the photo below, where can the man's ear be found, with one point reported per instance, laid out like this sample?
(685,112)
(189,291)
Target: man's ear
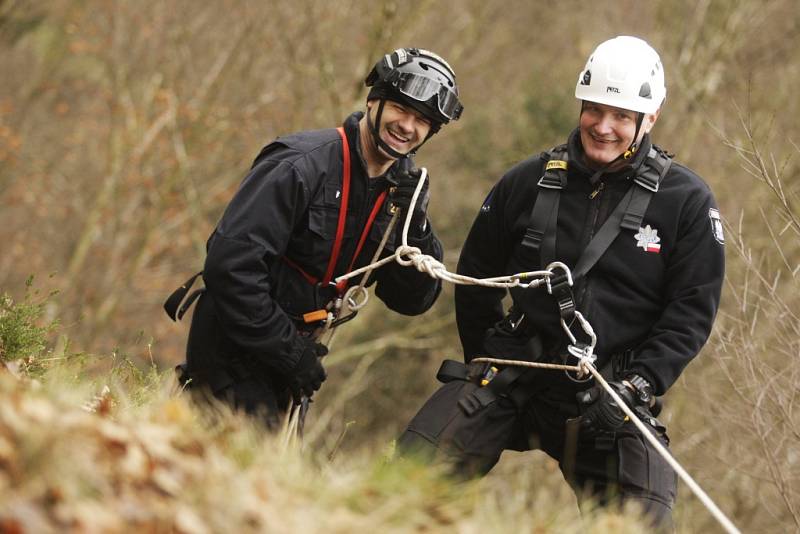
(650,120)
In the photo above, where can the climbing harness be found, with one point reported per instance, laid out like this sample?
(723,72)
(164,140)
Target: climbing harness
(331,316)
(554,278)
(539,244)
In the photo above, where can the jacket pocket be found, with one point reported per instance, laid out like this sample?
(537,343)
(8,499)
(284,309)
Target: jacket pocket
(323,220)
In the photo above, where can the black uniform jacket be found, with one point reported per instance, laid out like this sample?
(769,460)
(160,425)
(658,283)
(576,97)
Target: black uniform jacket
(288,206)
(654,292)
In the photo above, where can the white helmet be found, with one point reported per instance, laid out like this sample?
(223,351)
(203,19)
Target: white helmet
(624,72)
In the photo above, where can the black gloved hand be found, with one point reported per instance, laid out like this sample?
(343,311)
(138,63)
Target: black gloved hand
(602,412)
(404,182)
(503,342)
(307,375)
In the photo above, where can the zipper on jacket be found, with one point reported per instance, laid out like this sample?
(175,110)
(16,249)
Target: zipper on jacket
(597,191)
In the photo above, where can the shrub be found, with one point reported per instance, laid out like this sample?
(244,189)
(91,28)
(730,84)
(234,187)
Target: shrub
(22,337)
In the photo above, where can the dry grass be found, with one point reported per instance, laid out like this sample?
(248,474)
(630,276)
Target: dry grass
(82,458)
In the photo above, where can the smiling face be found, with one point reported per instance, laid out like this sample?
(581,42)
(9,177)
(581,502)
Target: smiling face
(606,131)
(402,127)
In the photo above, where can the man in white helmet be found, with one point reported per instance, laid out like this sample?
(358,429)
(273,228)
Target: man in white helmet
(642,237)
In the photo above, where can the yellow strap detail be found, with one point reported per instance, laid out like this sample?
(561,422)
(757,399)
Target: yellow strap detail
(556,164)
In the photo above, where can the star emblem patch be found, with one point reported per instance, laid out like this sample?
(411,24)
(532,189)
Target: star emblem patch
(648,239)
(716,225)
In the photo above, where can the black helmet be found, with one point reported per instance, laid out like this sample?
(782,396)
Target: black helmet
(417,78)
(420,79)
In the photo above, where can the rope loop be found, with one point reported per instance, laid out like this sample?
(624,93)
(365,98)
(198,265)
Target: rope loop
(356,297)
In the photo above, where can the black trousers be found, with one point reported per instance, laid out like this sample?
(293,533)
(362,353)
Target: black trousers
(216,369)
(608,468)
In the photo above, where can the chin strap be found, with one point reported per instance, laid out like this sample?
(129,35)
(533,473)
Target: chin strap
(628,154)
(374,129)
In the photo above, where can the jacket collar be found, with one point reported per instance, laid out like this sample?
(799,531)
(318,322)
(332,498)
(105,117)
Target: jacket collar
(351,129)
(577,159)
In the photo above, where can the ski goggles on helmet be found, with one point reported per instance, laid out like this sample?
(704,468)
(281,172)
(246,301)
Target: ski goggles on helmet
(423,89)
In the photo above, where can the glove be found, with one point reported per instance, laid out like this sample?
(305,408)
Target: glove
(404,182)
(601,412)
(501,342)
(307,375)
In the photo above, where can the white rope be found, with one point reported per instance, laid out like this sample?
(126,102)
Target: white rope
(290,429)
(586,366)
(412,256)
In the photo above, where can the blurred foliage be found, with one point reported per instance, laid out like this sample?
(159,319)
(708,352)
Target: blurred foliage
(125,128)
(22,336)
(79,456)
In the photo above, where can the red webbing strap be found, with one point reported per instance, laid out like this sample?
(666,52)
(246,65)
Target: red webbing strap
(337,244)
(309,278)
(372,215)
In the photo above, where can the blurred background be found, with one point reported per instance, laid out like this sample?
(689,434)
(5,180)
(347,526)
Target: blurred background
(125,127)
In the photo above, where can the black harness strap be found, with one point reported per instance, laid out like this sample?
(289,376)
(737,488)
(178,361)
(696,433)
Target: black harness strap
(174,300)
(545,210)
(649,177)
(451,370)
(608,232)
(538,246)
(499,386)
(630,211)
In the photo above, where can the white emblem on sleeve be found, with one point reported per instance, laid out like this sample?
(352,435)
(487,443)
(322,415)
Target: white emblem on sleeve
(716,225)
(648,239)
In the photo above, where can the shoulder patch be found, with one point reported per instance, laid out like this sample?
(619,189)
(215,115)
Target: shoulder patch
(716,225)
(487,202)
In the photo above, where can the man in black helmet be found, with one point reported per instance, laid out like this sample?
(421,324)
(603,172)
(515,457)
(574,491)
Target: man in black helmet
(642,238)
(315,205)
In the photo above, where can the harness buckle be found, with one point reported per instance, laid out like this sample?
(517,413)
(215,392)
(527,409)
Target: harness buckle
(654,168)
(649,179)
(533,238)
(560,286)
(549,181)
(555,281)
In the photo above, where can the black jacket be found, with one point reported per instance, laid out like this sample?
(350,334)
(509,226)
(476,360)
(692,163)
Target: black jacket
(288,206)
(660,304)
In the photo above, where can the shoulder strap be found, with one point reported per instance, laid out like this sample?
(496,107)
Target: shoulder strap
(545,210)
(649,178)
(340,225)
(337,243)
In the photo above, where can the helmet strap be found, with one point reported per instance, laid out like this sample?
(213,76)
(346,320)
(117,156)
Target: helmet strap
(628,154)
(374,128)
